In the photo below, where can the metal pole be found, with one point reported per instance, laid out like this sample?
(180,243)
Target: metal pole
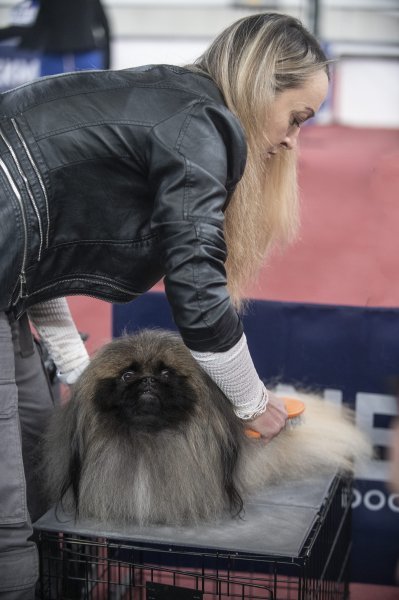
(314,16)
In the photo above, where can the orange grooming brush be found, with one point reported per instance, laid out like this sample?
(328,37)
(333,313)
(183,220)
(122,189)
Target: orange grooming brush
(294,408)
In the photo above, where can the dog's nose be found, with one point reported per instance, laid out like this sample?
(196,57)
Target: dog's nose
(148,380)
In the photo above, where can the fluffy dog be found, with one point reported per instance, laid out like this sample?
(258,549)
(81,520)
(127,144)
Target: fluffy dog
(148,438)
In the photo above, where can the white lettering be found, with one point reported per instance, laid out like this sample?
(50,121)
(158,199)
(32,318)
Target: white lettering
(393,502)
(372,504)
(357,498)
(375,500)
(367,406)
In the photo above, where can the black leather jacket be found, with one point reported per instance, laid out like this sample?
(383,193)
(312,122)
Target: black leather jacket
(110,180)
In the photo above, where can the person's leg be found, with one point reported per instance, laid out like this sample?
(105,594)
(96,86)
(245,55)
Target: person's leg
(51,64)
(18,555)
(93,59)
(35,406)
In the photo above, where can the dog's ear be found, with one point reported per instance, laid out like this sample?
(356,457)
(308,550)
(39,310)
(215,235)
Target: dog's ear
(230,452)
(106,391)
(73,441)
(231,442)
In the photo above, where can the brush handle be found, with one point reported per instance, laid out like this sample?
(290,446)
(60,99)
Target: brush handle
(294,408)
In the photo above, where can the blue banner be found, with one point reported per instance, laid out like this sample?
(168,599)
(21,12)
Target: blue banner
(347,354)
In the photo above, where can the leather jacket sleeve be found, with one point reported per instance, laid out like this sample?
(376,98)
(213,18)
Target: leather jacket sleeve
(194,165)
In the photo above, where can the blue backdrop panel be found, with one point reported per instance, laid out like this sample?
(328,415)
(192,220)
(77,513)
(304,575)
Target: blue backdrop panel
(348,353)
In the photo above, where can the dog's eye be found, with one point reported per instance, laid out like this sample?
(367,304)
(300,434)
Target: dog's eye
(128,376)
(165,373)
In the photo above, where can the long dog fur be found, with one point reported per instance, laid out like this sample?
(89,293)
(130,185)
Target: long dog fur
(196,465)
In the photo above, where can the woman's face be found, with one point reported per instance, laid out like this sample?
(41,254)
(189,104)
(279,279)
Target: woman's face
(293,107)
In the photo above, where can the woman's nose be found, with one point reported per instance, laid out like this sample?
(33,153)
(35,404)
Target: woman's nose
(290,141)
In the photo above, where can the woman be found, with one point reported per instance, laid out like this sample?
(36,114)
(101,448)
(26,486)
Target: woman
(113,180)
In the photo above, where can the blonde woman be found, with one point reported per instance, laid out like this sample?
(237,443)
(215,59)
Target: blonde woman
(111,180)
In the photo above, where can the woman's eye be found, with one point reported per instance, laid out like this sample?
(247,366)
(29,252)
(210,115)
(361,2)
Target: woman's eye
(295,123)
(128,376)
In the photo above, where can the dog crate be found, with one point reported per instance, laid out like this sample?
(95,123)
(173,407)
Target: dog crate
(292,543)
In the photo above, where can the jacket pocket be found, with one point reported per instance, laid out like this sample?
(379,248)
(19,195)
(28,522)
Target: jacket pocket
(13,507)
(12,478)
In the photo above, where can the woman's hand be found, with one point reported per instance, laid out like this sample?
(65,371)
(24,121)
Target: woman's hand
(272,421)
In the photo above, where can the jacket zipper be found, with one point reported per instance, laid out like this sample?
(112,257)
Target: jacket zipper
(23,176)
(22,278)
(38,175)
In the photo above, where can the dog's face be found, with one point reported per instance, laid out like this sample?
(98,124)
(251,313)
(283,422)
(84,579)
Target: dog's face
(145,383)
(146,396)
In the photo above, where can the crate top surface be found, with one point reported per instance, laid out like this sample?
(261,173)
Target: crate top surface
(277,522)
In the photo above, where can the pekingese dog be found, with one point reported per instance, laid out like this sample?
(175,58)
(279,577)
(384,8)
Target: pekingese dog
(148,438)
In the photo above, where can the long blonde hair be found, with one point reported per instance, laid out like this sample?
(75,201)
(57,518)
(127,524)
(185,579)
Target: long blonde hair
(251,61)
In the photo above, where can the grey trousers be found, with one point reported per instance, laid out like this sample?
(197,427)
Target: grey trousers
(26,403)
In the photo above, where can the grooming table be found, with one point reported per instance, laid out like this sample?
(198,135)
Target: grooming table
(280,527)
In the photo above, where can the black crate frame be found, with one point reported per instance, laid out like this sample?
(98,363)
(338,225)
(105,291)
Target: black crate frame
(87,568)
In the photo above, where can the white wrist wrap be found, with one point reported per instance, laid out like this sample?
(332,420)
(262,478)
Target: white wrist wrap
(234,372)
(53,322)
